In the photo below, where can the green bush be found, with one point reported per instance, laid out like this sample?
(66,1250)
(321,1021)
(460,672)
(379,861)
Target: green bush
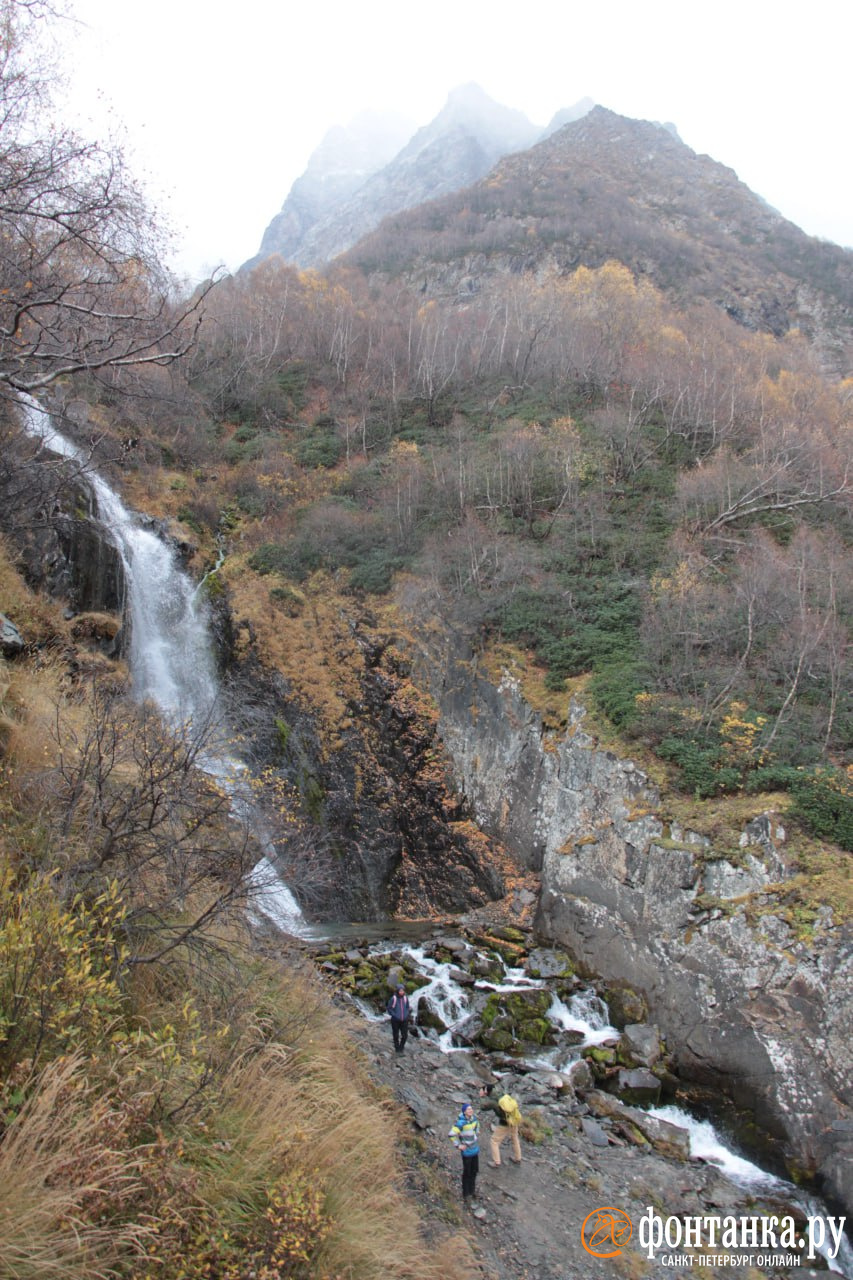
(590,625)
(823,800)
(320,450)
(291,386)
(295,559)
(288,600)
(374,573)
(615,686)
(701,763)
(235,451)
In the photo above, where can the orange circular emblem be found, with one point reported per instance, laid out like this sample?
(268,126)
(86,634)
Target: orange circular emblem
(605,1232)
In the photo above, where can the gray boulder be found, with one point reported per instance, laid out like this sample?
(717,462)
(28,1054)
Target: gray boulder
(11,641)
(640,1045)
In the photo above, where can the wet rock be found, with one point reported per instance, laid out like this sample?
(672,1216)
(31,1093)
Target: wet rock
(637,1085)
(428,1016)
(454,944)
(668,1139)
(507,933)
(740,1009)
(510,951)
(639,1045)
(600,1060)
(548,963)
(511,1016)
(580,1076)
(486,967)
(625,1006)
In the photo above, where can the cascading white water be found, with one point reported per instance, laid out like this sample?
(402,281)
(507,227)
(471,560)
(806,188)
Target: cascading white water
(170,654)
(706,1144)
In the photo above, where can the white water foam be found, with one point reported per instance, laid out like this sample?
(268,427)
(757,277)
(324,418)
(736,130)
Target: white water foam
(706,1144)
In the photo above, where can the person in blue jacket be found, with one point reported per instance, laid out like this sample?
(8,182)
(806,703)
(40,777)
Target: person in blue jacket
(400,1010)
(465,1136)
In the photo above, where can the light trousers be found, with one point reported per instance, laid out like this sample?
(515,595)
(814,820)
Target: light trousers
(500,1132)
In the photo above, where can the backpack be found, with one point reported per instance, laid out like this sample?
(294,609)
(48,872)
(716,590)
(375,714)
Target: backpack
(509,1107)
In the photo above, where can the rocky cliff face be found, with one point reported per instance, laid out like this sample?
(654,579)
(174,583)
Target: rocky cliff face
(333,204)
(742,1001)
(342,163)
(366,824)
(63,550)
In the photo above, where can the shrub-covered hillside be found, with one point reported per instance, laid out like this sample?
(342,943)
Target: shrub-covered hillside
(656,499)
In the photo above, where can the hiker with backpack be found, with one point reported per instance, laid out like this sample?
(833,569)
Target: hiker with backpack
(509,1119)
(400,1010)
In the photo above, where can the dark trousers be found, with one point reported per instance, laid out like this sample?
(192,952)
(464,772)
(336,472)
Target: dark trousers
(400,1032)
(470,1169)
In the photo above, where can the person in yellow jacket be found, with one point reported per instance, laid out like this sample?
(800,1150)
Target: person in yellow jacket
(509,1119)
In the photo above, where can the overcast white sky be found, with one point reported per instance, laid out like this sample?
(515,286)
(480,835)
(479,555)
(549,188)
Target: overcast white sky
(222,103)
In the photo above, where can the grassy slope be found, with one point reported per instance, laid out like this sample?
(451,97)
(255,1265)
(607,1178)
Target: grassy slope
(207,1116)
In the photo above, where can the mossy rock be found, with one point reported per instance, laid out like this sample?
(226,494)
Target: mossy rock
(536,1031)
(564,990)
(491,970)
(521,1005)
(626,1006)
(509,934)
(498,1040)
(604,1057)
(491,1010)
(510,952)
(428,1016)
(520,1014)
(602,1062)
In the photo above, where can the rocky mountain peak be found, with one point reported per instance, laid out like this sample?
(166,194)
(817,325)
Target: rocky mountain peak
(367,143)
(351,184)
(567,115)
(343,161)
(495,127)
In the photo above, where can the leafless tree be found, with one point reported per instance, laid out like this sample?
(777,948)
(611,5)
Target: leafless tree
(80,288)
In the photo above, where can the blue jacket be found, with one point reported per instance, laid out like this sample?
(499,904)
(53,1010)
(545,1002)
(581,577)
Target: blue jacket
(465,1135)
(398,1007)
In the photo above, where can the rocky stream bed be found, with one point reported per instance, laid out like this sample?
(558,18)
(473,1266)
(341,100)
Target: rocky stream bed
(591,1075)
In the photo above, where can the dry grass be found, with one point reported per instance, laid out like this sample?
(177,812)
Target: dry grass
(312,1112)
(61,1179)
(314,650)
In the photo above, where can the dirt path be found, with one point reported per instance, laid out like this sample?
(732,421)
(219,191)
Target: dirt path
(533,1212)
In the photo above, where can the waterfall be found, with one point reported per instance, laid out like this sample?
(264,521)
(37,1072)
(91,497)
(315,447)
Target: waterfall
(170,653)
